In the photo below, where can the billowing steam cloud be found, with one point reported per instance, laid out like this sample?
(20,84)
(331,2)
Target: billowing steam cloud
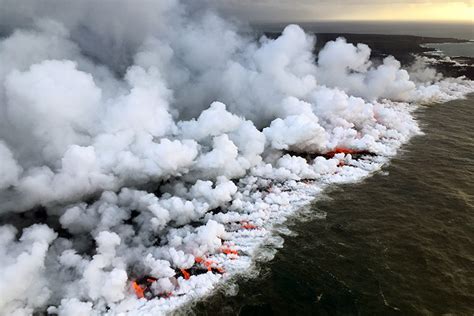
(158,141)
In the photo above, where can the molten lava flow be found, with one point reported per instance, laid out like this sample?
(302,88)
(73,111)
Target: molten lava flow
(229,251)
(344,150)
(185,273)
(247,225)
(341,150)
(209,264)
(198,259)
(205,262)
(138,290)
(151,279)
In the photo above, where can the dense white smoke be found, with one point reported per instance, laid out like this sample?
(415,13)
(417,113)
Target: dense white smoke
(155,136)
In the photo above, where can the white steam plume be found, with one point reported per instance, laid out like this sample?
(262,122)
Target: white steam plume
(155,136)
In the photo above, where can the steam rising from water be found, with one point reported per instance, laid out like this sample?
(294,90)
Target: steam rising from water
(158,137)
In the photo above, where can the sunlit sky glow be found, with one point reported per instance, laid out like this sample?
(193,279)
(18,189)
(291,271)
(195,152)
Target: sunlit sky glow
(367,10)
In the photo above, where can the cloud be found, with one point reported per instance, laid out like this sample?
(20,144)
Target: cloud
(162,137)
(305,10)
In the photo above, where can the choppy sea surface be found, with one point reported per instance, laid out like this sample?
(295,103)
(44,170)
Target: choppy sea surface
(454,49)
(398,243)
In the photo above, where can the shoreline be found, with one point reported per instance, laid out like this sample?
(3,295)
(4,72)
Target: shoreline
(167,248)
(434,29)
(251,300)
(404,48)
(266,239)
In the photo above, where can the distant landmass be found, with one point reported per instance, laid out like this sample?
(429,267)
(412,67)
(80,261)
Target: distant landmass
(463,31)
(404,48)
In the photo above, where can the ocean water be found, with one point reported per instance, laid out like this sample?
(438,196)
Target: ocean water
(454,49)
(398,243)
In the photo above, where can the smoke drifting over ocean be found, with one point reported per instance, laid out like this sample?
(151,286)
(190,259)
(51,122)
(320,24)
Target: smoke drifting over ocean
(156,139)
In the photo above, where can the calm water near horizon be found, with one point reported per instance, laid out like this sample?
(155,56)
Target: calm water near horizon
(398,243)
(454,49)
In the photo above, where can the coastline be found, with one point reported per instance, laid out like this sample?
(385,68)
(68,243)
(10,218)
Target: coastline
(286,200)
(358,257)
(405,48)
(266,203)
(235,222)
(305,193)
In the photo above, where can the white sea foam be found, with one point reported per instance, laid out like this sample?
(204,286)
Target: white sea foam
(174,145)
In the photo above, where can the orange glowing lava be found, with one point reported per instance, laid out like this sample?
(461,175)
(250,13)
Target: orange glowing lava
(138,290)
(185,273)
(342,150)
(209,264)
(229,251)
(247,225)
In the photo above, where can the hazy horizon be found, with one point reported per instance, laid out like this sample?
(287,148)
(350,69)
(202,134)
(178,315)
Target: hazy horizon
(348,10)
(416,28)
(402,17)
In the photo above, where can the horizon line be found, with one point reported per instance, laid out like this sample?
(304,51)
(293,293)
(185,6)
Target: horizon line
(365,21)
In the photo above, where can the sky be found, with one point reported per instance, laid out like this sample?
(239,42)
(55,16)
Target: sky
(349,10)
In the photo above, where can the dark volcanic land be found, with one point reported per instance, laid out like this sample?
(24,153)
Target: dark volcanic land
(403,48)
